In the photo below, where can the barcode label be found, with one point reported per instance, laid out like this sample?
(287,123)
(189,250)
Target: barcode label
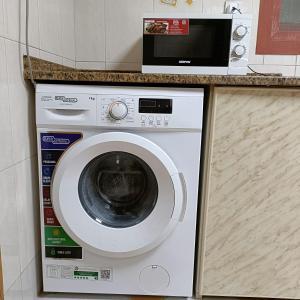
(106,274)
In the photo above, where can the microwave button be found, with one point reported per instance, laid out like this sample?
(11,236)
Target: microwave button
(239,51)
(240,32)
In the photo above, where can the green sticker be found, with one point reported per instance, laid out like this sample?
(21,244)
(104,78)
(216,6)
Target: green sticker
(56,236)
(85,275)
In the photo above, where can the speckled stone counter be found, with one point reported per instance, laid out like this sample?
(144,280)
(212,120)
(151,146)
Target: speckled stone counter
(44,71)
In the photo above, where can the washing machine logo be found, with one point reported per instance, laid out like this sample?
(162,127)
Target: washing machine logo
(66,100)
(55,141)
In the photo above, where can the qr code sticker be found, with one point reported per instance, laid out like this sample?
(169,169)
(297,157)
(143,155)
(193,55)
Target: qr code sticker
(106,274)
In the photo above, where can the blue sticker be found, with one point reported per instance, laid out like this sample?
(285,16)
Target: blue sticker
(59,141)
(47,172)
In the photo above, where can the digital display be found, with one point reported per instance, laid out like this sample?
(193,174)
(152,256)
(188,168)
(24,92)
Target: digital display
(155,106)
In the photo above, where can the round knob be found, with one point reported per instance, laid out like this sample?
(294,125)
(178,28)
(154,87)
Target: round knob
(240,32)
(118,110)
(239,51)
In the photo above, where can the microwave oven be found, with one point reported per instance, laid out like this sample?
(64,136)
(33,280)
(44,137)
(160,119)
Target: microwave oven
(201,44)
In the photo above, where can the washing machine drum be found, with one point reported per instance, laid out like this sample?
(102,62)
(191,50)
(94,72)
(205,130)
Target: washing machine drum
(117,194)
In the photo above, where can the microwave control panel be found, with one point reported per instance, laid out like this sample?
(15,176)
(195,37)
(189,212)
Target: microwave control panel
(240,42)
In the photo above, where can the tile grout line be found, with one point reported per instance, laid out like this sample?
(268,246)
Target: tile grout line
(105,34)
(18,162)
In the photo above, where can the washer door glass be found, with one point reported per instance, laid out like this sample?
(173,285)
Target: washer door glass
(118,189)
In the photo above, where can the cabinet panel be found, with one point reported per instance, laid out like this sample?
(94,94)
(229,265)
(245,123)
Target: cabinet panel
(251,243)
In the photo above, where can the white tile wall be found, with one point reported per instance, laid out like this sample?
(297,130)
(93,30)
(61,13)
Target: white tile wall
(34,36)
(118,32)
(67,17)
(51,57)
(217,6)
(2,18)
(21,104)
(15,291)
(9,233)
(50,26)
(56,27)
(286,60)
(195,7)
(123,31)
(19,220)
(69,63)
(31,280)
(90,30)
(27,211)
(5,128)
(90,65)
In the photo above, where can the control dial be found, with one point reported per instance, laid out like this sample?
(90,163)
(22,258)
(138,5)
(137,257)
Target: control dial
(239,51)
(240,32)
(118,110)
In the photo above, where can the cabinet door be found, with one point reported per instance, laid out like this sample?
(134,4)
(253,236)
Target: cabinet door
(251,240)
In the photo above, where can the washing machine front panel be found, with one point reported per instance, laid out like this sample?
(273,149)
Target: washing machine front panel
(124,189)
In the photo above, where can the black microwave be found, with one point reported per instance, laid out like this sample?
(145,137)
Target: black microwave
(202,44)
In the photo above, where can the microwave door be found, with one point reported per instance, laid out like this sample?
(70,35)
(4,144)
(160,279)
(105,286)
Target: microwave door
(207,43)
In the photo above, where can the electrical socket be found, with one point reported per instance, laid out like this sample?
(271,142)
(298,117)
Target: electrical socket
(229,5)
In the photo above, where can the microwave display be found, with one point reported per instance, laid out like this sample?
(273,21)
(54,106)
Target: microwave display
(155,106)
(206,44)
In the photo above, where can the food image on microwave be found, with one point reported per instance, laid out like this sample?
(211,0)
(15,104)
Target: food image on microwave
(156,27)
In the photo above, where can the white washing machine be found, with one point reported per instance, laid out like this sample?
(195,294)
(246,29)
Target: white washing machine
(119,172)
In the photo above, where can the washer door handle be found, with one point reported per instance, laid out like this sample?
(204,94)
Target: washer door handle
(184,198)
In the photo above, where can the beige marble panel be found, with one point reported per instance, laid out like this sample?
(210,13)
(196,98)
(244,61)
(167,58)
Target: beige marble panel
(252,236)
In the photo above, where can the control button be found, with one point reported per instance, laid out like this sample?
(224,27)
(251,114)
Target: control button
(240,32)
(143,118)
(239,51)
(158,120)
(118,110)
(151,120)
(166,121)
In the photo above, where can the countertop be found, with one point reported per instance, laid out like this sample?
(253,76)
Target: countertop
(44,71)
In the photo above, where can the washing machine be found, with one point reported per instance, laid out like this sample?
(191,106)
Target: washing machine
(119,173)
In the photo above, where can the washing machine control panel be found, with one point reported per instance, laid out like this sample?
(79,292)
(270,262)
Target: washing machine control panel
(119,107)
(135,111)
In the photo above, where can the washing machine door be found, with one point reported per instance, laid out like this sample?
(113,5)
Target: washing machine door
(117,194)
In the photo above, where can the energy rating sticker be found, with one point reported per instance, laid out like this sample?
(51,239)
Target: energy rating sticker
(86,275)
(56,236)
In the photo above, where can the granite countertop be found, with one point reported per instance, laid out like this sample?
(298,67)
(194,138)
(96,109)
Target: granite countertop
(44,71)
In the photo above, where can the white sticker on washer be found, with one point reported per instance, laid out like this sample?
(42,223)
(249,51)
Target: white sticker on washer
(106,274)
(79,273)
(67,272)
(53,271)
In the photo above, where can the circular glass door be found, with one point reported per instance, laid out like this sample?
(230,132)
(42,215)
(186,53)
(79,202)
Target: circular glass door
(118,189)
(117,194)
